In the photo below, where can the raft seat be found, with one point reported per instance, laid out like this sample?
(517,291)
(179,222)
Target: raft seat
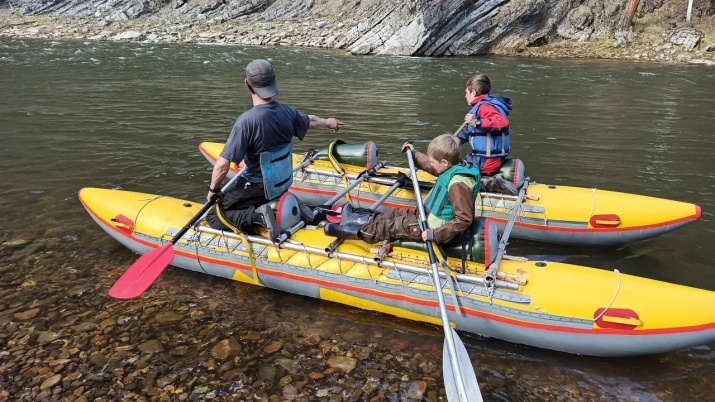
(484,248)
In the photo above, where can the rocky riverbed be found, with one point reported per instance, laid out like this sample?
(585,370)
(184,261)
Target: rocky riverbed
(195,337)
(62,337)
(199,338)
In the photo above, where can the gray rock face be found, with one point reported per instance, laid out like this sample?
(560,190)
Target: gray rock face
(118,9)
(128,35)
(686,37)
(383,27)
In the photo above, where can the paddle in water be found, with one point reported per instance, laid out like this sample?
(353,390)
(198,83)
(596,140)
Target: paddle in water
(460,382)
(148,267)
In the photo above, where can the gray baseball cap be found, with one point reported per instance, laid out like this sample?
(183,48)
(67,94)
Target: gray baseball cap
(261,78)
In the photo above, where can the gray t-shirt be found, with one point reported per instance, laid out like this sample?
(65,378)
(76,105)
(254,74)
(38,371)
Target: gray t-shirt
(266,127)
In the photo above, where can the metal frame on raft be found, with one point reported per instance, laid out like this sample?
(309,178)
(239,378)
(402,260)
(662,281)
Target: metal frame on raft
(384,181)
(489,281)
(494,266)
(465,278)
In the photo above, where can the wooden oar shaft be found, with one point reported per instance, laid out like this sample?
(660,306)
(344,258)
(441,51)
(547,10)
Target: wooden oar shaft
(460,129)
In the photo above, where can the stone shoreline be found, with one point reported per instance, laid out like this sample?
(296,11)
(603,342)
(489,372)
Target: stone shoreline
(304,32)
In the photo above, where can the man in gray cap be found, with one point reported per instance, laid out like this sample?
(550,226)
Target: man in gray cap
(261,137)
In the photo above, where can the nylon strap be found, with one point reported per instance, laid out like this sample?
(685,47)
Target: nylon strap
(243,239)
(337,166)
(249,249)
(225,221)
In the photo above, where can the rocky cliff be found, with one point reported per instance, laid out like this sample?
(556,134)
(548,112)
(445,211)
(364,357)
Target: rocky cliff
(381,27)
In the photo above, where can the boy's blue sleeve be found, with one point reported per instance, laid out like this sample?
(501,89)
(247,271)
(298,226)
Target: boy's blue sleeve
(464,134)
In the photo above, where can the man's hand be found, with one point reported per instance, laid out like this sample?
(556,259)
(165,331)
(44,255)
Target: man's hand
(471,120)
(217,196)
(407,146)
(334,124)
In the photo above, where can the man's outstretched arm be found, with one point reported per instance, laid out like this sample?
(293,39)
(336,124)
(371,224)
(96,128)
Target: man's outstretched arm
(318,122)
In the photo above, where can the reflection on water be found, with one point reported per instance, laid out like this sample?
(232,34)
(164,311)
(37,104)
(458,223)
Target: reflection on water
(130,116)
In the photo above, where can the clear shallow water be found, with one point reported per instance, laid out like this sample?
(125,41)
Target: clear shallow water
(130,116)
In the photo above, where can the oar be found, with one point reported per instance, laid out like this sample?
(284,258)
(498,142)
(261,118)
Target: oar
(494,266)
(450,282)
(364,175)
(137,279)
(460,382)
(460,129)
(335,243)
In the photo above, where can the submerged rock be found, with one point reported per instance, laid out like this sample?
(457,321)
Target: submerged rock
(267,372)
(16,244)
(46,337)
(273,347)
(292,366)
(416,390)
(290,392)
(152,346)
(168,318)
(345,364)
(51,382)
(226,348)
(27,315)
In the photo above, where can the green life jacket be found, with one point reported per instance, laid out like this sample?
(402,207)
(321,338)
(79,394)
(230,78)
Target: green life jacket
(438,202)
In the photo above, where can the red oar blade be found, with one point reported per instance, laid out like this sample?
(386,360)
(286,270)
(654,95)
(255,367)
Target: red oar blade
(143,273)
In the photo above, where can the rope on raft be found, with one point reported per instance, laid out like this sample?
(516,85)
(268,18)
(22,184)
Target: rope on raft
(618,274)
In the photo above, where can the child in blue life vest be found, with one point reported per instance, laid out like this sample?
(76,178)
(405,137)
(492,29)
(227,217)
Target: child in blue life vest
(450,206)
(487,129)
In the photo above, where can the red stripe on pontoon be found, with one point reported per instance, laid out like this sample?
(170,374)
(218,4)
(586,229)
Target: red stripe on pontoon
(595,230)
(697,216)
(393,296)
(475,313)
(472,312)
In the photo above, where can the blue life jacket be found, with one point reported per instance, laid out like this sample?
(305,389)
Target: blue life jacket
(496,142)
(277,169)
(438,202)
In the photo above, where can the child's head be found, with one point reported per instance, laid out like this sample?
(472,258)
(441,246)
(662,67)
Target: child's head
(443,152)
(477,86)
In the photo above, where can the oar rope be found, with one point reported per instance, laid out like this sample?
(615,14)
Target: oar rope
(450,336)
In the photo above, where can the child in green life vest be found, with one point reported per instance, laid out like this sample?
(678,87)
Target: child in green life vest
(450,206)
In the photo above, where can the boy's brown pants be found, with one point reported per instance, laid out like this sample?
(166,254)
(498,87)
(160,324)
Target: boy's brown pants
(396,224)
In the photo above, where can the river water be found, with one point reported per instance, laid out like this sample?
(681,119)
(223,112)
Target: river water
(130,116)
